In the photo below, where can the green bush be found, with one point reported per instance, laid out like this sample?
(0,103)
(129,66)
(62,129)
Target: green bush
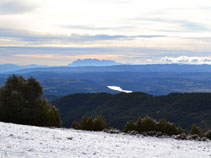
(90,124)
(195,130)
(180,130)
(21,102)
(148,124)
(171,129)
(208,134)
(139,124)
(99,123)
(84,123)
(161,126)
(130,126)
(75,125)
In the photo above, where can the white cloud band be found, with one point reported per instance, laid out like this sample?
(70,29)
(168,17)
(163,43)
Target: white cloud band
(186,60)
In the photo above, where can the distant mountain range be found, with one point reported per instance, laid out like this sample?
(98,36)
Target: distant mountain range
(5,68)
(114,68)
(157,79)
(95,65)
(93,62)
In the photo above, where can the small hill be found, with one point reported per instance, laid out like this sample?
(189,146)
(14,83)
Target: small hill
(5,68)
(93,62)
(180,108)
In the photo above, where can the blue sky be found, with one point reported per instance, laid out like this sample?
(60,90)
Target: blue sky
(129,31)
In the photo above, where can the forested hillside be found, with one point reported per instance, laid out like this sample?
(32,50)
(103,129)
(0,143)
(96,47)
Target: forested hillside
(180,108)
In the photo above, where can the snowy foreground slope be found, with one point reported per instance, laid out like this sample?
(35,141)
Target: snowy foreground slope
(18,141)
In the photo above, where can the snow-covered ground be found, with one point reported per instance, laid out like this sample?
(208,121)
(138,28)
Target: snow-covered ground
(19,141)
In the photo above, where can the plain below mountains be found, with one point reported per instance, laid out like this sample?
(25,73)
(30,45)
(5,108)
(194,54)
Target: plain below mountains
(159,79)
(180,108)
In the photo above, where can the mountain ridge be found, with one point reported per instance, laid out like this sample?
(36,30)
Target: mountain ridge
(93,62)
(180,108)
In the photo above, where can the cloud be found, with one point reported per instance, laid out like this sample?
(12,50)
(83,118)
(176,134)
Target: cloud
(186,60)
(92,27)
(65,55)
(186,25)
(69,57)
(15,7)
(35,37)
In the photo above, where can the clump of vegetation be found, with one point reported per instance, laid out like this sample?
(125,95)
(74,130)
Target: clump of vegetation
(130,126)
(147,124)
(195,130)
(90,124)
(99,123)
(21,102)
(75,125)
(208,134)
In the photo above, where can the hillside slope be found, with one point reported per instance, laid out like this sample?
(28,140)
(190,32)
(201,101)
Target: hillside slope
(27,141)
(180,108)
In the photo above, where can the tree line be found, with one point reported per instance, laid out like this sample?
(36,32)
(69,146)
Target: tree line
(146,125)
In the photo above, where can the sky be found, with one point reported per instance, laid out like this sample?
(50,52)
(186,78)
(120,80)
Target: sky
(57,32)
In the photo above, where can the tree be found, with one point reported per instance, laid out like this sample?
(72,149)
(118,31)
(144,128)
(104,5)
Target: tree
(21,102)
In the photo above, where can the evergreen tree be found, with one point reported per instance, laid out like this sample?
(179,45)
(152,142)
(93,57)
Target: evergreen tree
(21,102)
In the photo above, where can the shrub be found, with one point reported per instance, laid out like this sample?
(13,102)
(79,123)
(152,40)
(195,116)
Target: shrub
(75,125)
(208,134)
(130,126)
(99,123)
(168,128)
(21,102)
(84,123)
(195,130)
(139,125)
(161,126)
(171,129)
(180,130)
(90,124)
(148,124)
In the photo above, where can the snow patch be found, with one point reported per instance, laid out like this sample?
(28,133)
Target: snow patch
(19,141)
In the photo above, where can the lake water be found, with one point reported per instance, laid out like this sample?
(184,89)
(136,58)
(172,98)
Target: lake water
(116,88)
